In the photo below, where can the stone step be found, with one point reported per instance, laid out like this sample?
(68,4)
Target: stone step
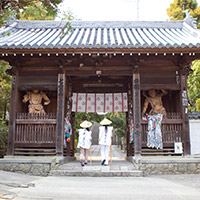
(97,173)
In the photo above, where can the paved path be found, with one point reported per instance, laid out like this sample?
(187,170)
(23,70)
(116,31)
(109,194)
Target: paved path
(24,187)
(119,166)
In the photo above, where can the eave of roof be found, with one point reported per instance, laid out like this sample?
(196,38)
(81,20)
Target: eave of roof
(98,36)
(194,115)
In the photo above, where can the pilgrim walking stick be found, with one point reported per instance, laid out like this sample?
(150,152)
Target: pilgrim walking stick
(111,153)
(90,154)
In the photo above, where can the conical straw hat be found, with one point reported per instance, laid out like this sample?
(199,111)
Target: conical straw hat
(85,124)
(105,122)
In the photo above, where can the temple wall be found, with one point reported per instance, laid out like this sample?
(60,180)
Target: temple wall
(194,136)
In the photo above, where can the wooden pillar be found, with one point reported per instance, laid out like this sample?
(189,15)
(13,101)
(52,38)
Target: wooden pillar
(137,113)
(127,135)
(60,113)
(73,134)
(184,112)
(13,109)
(129,120)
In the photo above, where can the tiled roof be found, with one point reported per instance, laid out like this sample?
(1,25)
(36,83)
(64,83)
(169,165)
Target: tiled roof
(97,34)
(194,115)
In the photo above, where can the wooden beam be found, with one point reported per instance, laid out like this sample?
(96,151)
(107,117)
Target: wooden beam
(100,51)
(184,111)
(35,121)
(12,118)
(102,80)
(136,113)
(160,86)
(100,90)
(60,113)
(110,67)
(39,87)
(103,73)
(35,145)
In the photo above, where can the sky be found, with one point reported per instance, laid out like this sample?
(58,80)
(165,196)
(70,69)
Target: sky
(119,10)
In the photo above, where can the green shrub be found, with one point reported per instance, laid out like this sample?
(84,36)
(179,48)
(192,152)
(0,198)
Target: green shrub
(198,104)
(3,138)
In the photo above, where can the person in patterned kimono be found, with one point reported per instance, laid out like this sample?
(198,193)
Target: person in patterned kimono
(84,141)
(155,116)
(105,140)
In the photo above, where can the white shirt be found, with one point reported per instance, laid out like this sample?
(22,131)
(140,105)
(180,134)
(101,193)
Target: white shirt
(84,139)
(105,136)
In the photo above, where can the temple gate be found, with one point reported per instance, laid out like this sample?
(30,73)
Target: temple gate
(97,57)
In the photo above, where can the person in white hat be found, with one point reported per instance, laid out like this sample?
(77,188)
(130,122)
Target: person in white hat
(105,140)
(84,141)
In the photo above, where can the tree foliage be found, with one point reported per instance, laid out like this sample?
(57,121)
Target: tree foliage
(194,87)
(175,11)
(118,122)
(3,138)
(5,87)
(36,11)
(20,8)
(80,117)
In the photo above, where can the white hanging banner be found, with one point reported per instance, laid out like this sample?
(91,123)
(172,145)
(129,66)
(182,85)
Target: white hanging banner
(100,102)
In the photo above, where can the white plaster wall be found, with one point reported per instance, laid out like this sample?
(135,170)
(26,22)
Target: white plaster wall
(194,136)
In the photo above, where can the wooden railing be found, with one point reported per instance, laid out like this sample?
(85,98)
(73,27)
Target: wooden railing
(35,129)
(35,116)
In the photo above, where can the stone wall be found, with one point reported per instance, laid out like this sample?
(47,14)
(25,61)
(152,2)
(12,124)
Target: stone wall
(39,169)
(148,165)
(37,166)
(162,165)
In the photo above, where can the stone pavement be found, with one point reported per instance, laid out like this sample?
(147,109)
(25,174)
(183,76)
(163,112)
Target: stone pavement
(24,187)
(119,166)
(166,187)
(10,180)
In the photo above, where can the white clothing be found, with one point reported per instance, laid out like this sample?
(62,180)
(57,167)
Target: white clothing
(105,140)
(84,139)
(105,150)
(105,136)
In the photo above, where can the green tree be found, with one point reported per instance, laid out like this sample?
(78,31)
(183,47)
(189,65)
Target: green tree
(80,117)
(175,11)
(193,84)
(5,87)
(118,122)
(36,11)
(3,138)
(15,8)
